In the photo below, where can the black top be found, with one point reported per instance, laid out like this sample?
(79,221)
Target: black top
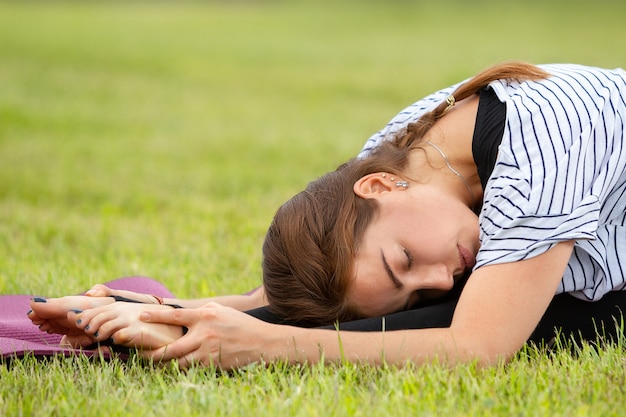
(488,131)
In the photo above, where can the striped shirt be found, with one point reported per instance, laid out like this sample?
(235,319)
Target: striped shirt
(560,174)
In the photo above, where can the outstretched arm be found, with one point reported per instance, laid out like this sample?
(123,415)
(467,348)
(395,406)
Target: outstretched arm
(242,302)
(498,310)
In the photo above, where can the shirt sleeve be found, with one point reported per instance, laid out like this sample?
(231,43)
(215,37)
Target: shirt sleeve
(406,116)
(560,169)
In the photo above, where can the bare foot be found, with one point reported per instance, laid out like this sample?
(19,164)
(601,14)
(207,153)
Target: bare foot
(120,322)
(51,314)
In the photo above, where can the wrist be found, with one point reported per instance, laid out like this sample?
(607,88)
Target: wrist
(283,343)
(159,299)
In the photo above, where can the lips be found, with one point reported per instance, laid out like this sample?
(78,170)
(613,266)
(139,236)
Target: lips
(467,259)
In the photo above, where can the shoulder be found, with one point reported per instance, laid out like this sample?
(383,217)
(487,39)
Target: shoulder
(407,115)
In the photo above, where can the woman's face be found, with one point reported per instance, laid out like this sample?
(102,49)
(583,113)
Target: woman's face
(419,245)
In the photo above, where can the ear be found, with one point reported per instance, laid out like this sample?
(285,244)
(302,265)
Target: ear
(373,185)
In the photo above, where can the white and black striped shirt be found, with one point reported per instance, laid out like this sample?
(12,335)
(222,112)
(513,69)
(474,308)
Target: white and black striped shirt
(560,174)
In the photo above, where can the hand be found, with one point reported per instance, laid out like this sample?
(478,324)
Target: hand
(217,335)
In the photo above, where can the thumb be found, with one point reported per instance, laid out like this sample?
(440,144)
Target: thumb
(99,290)
(76,342)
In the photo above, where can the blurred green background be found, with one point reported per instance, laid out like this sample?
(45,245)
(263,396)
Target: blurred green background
(158,138)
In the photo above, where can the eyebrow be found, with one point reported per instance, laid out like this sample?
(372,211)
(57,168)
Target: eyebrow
(396,282)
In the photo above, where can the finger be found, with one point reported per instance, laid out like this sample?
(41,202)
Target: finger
(159,355)
(188,361)
(126,338)
(99,290)
(174,350)
(197,359)
(142,336)
(176,317)
(75,342)
(105,350)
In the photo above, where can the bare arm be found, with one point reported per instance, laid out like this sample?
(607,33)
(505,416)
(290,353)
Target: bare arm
(498,310)
(243,302)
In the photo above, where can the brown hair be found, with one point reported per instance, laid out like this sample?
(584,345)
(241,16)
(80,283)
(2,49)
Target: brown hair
(311,244)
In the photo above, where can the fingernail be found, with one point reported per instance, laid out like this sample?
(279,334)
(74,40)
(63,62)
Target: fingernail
(95,334)
(76,311)
(29,311)
(39,300)
(86,328)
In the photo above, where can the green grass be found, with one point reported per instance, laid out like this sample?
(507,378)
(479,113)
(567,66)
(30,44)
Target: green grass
(535,384)
(157,139)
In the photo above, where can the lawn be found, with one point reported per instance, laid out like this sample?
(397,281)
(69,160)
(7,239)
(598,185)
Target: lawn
(158,139)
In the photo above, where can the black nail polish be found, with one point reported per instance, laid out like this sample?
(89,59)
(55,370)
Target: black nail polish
(86,328)
(29,311)
(95,334)
(79,321)
(76,311)
(39,300)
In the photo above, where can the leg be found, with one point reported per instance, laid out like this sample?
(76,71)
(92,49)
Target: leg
(436,315)
(570,317)
(566,316)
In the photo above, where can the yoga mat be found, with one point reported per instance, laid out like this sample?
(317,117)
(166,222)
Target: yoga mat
(19,336)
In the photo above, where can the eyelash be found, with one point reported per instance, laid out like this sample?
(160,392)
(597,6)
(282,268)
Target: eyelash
(409,257)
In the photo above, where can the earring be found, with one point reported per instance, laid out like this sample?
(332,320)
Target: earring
(402,184)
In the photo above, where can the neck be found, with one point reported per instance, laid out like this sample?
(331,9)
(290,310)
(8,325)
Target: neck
(447,149)
(472,196)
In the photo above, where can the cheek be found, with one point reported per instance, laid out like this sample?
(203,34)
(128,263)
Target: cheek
(442,223)
(370,298)
(428,232)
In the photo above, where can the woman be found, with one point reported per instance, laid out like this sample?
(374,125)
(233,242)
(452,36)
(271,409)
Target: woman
(515,176)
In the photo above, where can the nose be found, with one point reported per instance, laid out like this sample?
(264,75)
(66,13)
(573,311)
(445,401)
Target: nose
(434,277)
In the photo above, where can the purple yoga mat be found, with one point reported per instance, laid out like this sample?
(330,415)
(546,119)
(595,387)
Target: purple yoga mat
(19,336)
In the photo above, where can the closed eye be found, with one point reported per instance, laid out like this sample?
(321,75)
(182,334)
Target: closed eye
(409,258)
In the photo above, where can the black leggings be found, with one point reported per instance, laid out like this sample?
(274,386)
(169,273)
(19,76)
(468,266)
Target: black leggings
(566,316)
